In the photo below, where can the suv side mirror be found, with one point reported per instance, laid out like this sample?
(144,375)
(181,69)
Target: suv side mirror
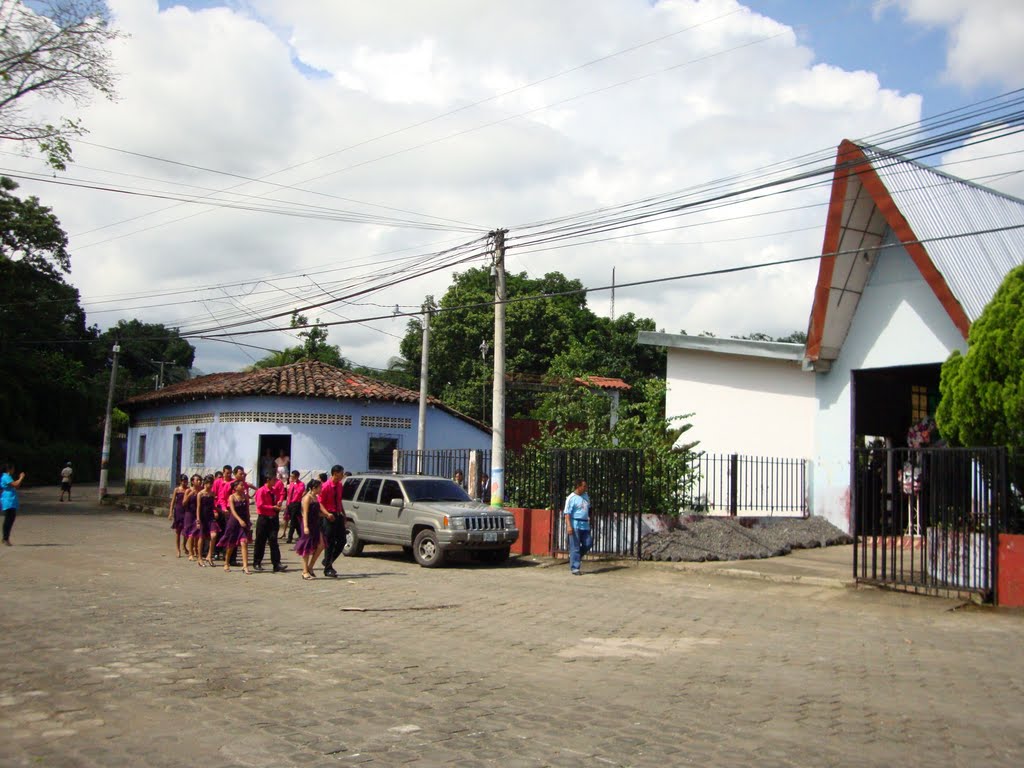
(399,502)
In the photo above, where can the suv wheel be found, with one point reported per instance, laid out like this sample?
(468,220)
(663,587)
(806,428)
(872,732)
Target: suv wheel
(353,544)
(426,549)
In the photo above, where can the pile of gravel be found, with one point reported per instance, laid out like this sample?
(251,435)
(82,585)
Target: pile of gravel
(697,539)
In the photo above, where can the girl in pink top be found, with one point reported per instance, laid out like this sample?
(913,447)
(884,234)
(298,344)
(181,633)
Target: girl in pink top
(293,505)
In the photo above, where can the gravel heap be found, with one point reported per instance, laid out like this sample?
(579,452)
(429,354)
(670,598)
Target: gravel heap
(697,539)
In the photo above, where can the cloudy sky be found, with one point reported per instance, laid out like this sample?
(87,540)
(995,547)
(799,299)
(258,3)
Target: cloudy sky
(457,116)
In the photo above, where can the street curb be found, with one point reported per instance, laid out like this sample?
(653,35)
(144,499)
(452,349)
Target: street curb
(775,578)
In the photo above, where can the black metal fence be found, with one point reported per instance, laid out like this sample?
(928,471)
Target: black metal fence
(730,484)
(615,486)
(928,520)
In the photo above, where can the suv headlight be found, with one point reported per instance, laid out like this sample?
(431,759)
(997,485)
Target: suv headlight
(510,522)
(457,523)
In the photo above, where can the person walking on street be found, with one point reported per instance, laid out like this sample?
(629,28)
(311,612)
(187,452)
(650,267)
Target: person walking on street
(9,498)
(238,532)
(176,511)
(65,481)
(267,525)
(310,543)
(577,525)
(293,510)
(332,520)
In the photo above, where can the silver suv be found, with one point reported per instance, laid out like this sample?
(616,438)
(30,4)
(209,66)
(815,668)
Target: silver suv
(428,516)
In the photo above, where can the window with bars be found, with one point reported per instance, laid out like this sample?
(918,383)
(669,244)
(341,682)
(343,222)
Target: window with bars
(198,449)
(385,422)
(918,403)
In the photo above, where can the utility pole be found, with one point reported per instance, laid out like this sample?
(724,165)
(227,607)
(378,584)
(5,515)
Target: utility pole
(161,363)
(613,295)
(105,454)
(498,406)
(421,433)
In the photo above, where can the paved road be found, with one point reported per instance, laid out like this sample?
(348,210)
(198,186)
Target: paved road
(116,653)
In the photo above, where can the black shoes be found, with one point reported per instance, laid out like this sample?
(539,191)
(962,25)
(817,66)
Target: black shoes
(258,568)
(330,573)
(280,568)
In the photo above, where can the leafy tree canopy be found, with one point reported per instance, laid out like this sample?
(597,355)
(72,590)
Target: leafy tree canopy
(536,332)
(31,233)
(56,50)
(141,345)
(983,390)
(314,347)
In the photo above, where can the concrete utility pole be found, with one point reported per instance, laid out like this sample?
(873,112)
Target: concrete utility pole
(498,406)
(161,363)
(421,433)
(105,453)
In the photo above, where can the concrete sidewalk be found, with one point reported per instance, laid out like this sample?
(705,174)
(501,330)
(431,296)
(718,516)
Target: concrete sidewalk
(823,567)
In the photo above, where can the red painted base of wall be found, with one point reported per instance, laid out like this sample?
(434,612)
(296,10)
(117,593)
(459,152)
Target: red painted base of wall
(534,531)
(1010,590)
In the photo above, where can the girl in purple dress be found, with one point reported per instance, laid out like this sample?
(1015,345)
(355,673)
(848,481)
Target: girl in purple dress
(207,523)
(237,532)
(176,512)
(310,543)
(189,529)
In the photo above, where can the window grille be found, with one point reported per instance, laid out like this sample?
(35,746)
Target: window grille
(385,422)
(280,417)
(199,449)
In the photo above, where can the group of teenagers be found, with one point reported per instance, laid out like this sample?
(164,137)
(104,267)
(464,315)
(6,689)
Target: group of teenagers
(211,519)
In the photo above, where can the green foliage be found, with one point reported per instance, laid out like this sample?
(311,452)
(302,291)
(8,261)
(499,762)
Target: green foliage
(314,347)
(31,233)
(58,51)
(141,344)
(983,391)
(536,332)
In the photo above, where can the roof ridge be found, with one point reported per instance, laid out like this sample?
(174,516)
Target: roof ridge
(932,169)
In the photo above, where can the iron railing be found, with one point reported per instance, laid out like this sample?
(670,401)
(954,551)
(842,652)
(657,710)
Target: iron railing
(928,520)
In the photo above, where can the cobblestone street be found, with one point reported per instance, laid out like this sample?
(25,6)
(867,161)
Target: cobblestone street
(117,653)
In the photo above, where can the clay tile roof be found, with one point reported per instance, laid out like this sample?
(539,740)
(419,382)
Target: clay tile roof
(603,382)
(307,378)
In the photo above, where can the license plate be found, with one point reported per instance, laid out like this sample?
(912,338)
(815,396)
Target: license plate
(490,536)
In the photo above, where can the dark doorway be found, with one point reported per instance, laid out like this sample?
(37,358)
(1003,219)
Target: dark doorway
(176,459)
(888,401)
(381,453)
(271,449)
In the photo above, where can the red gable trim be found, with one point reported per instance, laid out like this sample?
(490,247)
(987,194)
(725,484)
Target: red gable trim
(852,160)
(833,232)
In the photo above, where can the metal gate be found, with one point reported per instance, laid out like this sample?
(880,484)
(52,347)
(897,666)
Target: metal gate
(927,520)
(615,482)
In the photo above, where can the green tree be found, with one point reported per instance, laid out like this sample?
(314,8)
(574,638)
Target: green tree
(46,357)
(983,390)
(141,345)
(56,50)
(536,332)
(314,347)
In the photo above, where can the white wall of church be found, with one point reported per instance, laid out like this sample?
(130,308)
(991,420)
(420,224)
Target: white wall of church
(898,322)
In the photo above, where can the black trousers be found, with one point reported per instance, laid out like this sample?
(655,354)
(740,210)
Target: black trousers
(9,515)
(266,532)
(334,538)
(295,519)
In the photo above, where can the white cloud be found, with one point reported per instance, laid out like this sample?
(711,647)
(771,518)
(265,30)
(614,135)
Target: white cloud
(986,37)
(220,88)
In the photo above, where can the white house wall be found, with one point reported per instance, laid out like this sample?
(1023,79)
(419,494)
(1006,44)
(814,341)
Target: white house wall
(748,405)
(314,447)
(898,322)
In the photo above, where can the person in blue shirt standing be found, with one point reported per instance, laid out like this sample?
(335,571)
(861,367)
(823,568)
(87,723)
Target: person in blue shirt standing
(577,525)
(9,498)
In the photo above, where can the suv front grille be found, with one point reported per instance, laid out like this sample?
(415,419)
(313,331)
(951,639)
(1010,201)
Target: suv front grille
(489,523)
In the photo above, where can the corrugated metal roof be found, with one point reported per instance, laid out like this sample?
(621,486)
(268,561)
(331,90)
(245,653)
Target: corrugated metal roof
(936,204)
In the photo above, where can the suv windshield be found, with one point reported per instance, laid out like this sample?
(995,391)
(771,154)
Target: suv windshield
(434,490)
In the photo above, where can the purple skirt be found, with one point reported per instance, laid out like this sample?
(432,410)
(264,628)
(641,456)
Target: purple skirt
(178,520)
(308,543)
(234,534)
(189,526)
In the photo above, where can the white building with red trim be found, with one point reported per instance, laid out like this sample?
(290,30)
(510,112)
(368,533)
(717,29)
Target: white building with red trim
(910,258)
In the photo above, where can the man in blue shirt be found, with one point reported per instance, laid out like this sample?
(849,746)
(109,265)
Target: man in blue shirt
(577,525)
(9,498)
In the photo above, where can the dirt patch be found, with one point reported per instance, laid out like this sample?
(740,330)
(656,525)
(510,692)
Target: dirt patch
(697,539)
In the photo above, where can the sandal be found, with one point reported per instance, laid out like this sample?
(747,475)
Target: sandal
(247,571)
(307,577)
